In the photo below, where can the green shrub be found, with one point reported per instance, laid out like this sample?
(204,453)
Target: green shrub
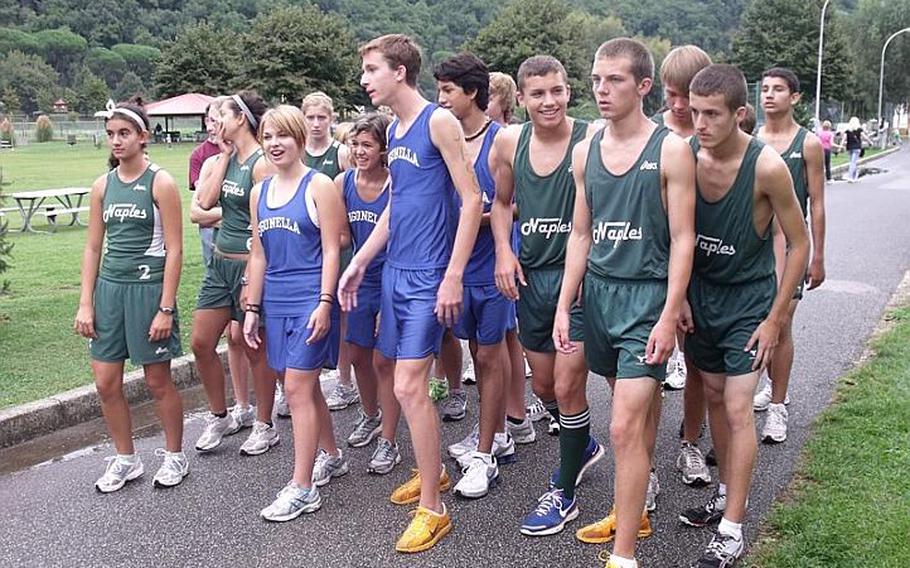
(44,129)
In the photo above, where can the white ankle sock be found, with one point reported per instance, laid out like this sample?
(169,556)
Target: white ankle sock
(730,528)
(721,488)
(127,458)
(620,562)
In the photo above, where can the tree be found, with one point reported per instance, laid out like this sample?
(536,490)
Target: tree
(28,76)
(140,59)
(546,27)
(11,39)
(296,50)
(10,100)
(201,59)
(106,64)
(62,49)
(783,33)
(92,92)
(874,21)
(129,86)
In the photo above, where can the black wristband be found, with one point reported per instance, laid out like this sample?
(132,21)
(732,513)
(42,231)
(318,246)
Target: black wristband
(326,301)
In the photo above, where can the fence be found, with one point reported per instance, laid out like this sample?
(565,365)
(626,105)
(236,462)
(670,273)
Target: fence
(89,129)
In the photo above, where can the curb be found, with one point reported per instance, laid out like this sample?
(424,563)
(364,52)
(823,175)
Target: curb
(844,167)
(27,421)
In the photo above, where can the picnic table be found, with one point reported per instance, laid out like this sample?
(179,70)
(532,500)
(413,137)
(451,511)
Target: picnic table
(64,201)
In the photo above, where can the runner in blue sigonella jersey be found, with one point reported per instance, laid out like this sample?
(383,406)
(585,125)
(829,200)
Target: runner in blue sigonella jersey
(298,223)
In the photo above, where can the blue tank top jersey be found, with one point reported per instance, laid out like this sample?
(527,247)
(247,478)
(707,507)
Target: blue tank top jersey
(423,215)
(292,245)
(362,218)
(482,264)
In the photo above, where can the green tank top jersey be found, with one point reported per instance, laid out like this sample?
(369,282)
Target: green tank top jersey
(796,163)
(630,230)
(545,203)
(236,233)
(327,163)
(134,240)
(727,248)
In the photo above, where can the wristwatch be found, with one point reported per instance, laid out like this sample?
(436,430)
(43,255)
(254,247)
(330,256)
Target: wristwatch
(166,310)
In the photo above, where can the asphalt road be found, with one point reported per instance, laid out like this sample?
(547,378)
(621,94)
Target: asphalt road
(52,516)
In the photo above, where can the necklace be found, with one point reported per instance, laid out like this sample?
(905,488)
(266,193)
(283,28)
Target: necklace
(479,132)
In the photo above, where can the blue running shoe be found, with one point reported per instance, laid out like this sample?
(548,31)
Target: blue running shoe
(550,516)
(593,453)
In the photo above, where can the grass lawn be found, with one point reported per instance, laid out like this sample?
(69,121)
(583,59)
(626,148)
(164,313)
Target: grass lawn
(850,505)
(844,157)
(39,353)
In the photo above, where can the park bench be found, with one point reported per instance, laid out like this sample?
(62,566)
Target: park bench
(5,144)
(52,210)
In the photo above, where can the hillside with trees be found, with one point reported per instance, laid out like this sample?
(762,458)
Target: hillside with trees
(86,52)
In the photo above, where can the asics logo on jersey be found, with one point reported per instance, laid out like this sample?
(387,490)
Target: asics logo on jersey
(161,351)
(139,187)
(616,231)
(641,359)
(546,226)
(279,223)
(648,166)
(359,215)
(244,168)
(229,187)
(328,162)
(713,245)
(404,153)
(123,211)
(795,156)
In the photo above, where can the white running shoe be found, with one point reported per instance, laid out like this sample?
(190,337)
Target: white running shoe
(480,473)
(244,416)
(503,450)
(763,398)
(692,465)
(215,429)
(653,492)
(385,457)
(536,410)
(775,430)
(523,433)
(676,373)
(282,410)
(261,440)
(342,397)
(120,469)
(173,469)
(328,466)
(292,501)
(553,427)
(366,428)
(467,445)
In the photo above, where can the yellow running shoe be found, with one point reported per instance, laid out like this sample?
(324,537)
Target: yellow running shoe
(425,530)
(409,492)
(604,530)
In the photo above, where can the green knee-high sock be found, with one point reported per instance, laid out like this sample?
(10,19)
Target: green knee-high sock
(574,433)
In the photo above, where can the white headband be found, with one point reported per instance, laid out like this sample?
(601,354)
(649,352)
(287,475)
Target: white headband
(111,108)
(246,111)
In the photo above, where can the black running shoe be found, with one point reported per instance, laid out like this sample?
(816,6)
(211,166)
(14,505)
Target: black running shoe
(710,512)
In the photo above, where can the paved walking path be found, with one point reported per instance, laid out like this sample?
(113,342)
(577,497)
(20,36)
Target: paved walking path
(52,516)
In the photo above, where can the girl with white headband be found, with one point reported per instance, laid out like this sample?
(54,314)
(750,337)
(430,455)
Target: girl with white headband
(221,297)
(128,304)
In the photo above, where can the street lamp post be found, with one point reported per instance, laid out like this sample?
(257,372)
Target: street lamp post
(818,76)
(881,75)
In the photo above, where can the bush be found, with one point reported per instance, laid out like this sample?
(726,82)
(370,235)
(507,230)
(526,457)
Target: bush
(7,134)
(5,252)
(44,129)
